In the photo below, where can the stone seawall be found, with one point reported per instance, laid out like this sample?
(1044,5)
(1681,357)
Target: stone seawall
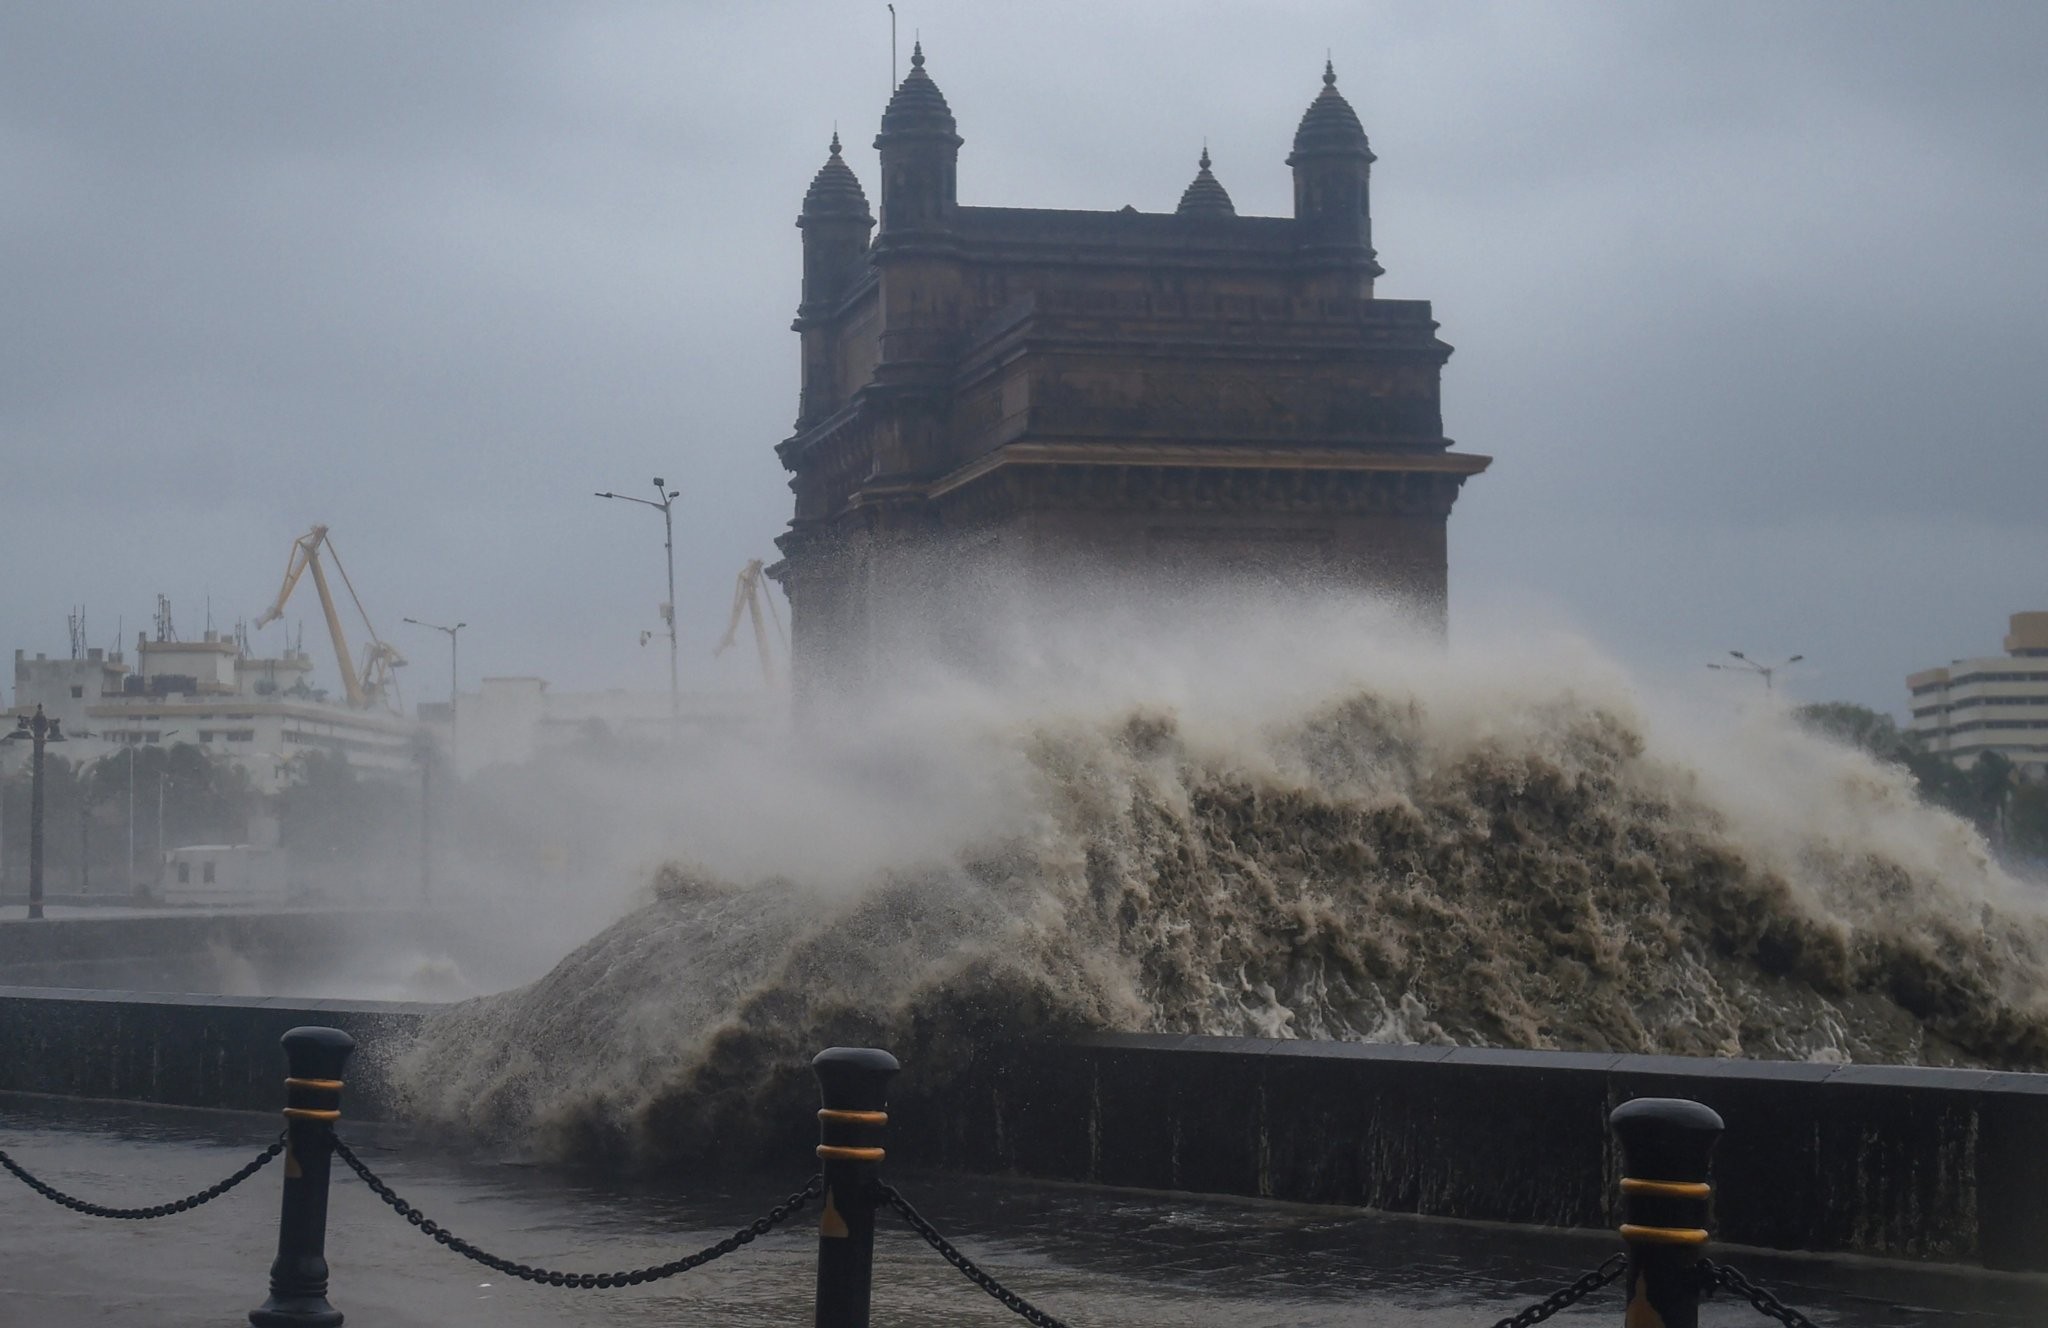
(156,935)
(1943,1165)
(188,1051)
(1894,1161)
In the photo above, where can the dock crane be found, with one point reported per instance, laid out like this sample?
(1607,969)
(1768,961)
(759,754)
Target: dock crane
(375,683)
(747,597)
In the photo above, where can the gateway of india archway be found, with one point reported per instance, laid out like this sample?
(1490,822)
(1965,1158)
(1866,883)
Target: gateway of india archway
(1061,393)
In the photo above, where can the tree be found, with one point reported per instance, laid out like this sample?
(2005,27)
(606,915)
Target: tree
(206,799)
(1858,726)
(2027,819)
(1983,794)
(326,810)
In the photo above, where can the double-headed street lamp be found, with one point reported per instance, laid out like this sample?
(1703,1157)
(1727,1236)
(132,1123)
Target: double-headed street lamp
(39,732)
(668,497)
(1766,671)
(453,644)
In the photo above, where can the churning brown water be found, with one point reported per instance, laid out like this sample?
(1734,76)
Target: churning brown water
(1326,838)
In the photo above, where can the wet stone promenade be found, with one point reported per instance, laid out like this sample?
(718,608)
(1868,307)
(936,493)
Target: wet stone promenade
(1098,1259)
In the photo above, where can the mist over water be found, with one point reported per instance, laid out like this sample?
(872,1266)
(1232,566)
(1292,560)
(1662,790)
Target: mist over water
(1256,814)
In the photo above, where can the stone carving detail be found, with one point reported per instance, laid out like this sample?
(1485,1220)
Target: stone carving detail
(1235,406)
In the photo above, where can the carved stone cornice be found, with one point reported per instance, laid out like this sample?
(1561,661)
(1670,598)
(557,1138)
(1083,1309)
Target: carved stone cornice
(1137,490)
(1168,456)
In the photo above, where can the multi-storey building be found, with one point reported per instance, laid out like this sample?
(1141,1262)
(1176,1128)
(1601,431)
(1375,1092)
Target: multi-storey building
(258,713)
(1045,392)
(1998,703)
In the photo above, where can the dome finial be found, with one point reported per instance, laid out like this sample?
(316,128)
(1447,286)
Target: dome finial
(917,54)
(1330,125)
(1205,197)
(836,191)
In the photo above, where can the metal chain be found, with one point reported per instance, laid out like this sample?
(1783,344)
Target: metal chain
(1016,1303)
(1613,1267)
(746,1235)
(184,1205)
(1766,1304)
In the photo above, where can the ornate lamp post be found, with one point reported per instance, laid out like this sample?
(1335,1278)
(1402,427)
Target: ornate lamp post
(39,732)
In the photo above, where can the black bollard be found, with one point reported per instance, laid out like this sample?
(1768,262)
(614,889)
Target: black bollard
(1666,1204)
(314,1058)
(853,1083)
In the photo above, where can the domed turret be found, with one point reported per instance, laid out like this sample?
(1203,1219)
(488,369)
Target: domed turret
(920,152)
(835,223)
(918,106)
(1332,174)
(1205,195)
(835,191)
(1329,126)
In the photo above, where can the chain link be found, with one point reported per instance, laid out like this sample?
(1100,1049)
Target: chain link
(746,1235)
(184,1205)
(1016,1303)
(1766,1304)
(1566,1296)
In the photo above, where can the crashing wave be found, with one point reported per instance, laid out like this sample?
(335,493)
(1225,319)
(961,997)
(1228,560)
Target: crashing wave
(1387,848)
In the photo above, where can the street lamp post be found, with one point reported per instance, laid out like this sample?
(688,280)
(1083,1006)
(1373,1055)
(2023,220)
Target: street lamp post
(666,507)
(134,741)
(1767,672)
(131,811)
(453,643)
(39,732)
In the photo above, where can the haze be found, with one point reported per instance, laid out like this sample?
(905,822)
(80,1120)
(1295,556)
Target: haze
(1748,299)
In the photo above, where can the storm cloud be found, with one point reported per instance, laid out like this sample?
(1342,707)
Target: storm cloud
(1748,298)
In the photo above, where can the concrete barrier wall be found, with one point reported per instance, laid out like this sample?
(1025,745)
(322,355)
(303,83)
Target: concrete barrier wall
(161,934)
(1946,1165)
(188,1051)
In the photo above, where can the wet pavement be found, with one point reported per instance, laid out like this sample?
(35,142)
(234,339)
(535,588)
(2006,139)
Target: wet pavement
(1095,1258)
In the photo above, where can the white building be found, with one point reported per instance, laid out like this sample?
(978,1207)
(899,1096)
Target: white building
(243,875)
(258,713)
(1998,703)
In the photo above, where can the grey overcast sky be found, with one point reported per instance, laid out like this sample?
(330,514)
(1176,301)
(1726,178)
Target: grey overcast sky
(1748,298)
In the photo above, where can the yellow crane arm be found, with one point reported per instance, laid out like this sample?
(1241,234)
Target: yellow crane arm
(306,554)
(732,625)
(350,683)
(746,598)
(294,568)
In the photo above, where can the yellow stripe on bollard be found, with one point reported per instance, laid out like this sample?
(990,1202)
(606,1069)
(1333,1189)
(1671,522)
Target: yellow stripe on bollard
(1663,1235)
(837,1153)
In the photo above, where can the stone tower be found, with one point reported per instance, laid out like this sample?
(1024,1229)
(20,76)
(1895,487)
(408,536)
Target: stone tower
(1059,392)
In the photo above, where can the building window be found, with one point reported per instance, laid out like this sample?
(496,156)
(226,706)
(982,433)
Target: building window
(184,873)
(208,874)
(77,691)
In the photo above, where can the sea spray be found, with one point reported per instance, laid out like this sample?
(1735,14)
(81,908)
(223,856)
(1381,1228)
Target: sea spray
(1261,831)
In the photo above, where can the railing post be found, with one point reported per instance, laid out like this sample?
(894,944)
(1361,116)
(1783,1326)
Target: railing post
(853,1084)
(314,1058)
(1666,1204)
